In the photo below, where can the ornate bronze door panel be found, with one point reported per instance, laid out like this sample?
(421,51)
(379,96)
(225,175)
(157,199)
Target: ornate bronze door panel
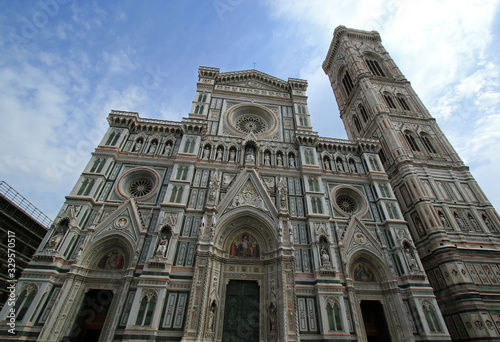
(241,314)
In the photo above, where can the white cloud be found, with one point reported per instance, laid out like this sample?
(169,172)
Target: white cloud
(442,47)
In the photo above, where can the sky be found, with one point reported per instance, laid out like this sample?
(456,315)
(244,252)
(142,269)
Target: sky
(65,64)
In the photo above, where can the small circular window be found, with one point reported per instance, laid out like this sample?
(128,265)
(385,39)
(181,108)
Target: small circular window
(346,203)
(140,187)
(250,124)
(138,183)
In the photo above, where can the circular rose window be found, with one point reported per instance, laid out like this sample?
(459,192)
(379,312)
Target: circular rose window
(346,203)
(139,183)
(349,200)
(250,124)
(140,187)
(251,119)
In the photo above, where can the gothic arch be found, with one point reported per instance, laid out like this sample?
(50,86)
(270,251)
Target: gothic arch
(93,253)
(249,220)
(372,262)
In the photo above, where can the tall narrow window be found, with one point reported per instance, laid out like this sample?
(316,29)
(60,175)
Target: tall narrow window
(83,186)
(101,165)
(89,187)
(347,83)
(427,143)
(146,309)
(189,145)
(197,109)
(334,318)
(411,142)
(110,138)
(313,184)
(364,113)
(95,165)
(24,300)
(115,140)
(389,101)
(431,318)
(403,103)
(357,123)
(375,67)
(317,207)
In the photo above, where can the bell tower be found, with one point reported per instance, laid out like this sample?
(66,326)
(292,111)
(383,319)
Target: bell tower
(454,226)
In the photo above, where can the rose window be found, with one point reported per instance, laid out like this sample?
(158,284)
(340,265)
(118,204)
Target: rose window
(346,203)
(140,187)
(251,124)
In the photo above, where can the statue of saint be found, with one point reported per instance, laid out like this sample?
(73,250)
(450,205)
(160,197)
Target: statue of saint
(168,149)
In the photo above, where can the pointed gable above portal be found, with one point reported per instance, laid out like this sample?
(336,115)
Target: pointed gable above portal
(358,237)
(125,221)
(248,191)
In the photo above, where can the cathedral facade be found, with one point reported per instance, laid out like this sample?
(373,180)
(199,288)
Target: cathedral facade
(241,223)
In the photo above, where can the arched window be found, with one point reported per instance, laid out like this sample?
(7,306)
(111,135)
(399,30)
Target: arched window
(189,145)
(176,194)
(431,317)
(403,103)
(374,164)
(205,98)
(427,143)
(317,207)
(197,109)
(410,139)
(89,187)
(313,184)
(96,163)
(309,157)
(347,83)
(182,172)
(201,109)
(357,123)
(146,309)
(110,138)
(389,101)
(83,186)
(24,300)
(374,67)
(363,112)
(393,212)
(334,318)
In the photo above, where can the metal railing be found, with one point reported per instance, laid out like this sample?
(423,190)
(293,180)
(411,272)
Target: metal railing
(22,203)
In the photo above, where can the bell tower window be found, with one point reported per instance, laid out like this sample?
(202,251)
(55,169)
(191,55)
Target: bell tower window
(375,68)
(357,123)
(389,101)
(347,83)
(403,103)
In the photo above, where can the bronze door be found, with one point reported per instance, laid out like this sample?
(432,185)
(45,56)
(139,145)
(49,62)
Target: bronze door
(241,314)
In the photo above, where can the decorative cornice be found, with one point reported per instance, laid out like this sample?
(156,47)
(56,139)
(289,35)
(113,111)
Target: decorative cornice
(339,33)
(134,123)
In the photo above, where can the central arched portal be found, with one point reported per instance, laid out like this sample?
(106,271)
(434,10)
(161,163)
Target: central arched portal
(249,280)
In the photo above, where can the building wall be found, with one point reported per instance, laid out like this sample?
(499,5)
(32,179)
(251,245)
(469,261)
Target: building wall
(454,226)
(170,219)
(22,228)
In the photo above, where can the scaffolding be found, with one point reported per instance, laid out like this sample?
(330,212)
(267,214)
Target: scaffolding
(23,204)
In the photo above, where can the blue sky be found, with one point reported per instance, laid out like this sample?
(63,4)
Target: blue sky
(65,64)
